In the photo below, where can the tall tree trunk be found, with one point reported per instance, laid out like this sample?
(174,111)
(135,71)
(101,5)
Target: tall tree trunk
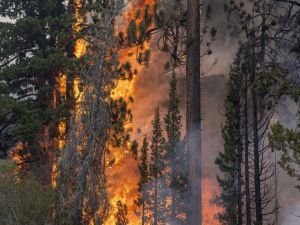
(239,189)
(193,110)
(258,206)
(247,175)
(257,195)
(257,180)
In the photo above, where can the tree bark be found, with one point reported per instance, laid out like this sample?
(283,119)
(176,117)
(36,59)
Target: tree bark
(193,110)
(240,154)
(246,130)
(257,191)
(258,207)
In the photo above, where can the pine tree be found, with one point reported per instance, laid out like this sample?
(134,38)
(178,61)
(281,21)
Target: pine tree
(32,56)
(288,142)
(176,158)
(157,166)
(263,32)
(143,199)
(282,139)
(229,161)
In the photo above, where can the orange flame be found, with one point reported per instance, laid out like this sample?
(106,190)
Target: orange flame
(79,51)
(122,177)
(210,210)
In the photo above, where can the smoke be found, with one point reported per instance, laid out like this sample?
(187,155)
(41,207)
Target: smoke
(151,90)
(226,44)
(289,196)
(291,214)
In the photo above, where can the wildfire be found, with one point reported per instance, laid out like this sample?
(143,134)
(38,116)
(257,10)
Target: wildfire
(122,176)
(125,88)
(79,51)
(210,210)
(61,81)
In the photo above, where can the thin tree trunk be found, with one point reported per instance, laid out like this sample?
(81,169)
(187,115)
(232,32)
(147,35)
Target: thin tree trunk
(239,190)
(258,207)
(257,181)
(193,110)
(247,176)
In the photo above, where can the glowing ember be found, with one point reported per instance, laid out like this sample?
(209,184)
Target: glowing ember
(125,169)
(79,51)
(62,90)
(19,156)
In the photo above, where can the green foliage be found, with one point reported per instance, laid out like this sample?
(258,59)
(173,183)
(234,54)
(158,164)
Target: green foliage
(137,32)
(144,172)
(164,175)
(176,157)
(157,147)
(24,201)
(157,182)
(143,199)
(227,161)
(287,142)
(120,116)
(6,166)
(32,54)
(173,117)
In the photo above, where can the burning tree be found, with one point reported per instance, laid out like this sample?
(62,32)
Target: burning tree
(82,196)
(32,57)
(121,215)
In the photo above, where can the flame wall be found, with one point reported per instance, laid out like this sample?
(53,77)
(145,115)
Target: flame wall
(150,89)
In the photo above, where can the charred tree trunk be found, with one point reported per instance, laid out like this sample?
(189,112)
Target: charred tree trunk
(257,182)
(256,139)
(193,110)
(240,177)
(246,146)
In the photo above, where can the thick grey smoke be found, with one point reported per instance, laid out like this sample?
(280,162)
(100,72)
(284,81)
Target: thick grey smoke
(152,91)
